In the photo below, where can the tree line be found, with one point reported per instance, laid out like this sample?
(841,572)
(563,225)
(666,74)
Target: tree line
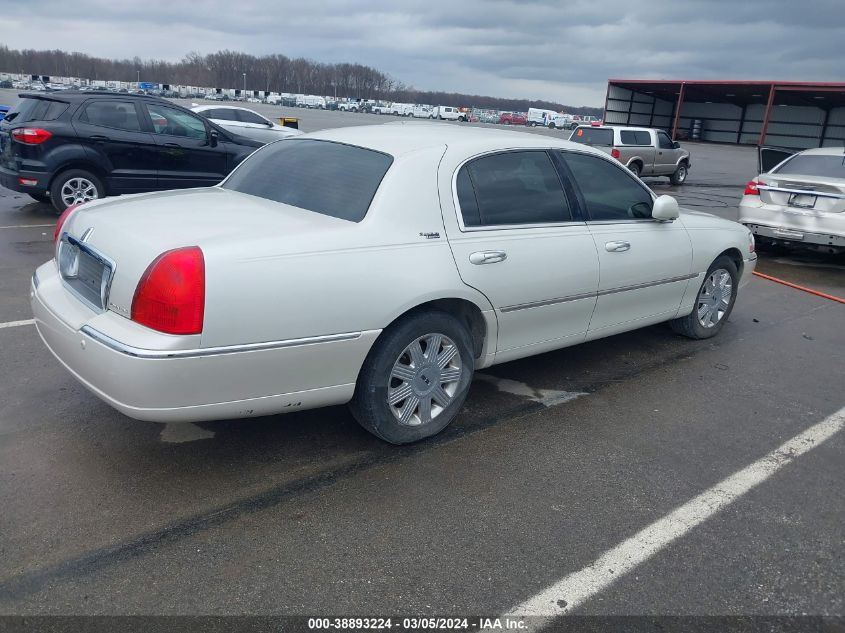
(272,73)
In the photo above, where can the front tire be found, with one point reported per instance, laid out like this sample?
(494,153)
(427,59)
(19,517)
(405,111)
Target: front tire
(415,379)
(680,175)
(713,304)
(75,186)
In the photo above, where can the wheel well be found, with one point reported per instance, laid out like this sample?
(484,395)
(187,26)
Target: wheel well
(636,161)
(80,165)
(465,311)
(735,256)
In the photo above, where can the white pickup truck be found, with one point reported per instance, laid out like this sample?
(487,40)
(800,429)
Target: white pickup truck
(352,106)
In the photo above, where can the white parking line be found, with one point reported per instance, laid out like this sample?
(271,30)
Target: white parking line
(17,323)
(27,226)
(571,591)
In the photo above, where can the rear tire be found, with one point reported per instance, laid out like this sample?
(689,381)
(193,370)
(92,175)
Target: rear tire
(43,198)
(75,186)
(405,362)
(635,169)
(680,175)
(712,305)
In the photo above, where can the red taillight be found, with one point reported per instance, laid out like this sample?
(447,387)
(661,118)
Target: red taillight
(61,221)
(31,135)
(751,188)
(170,297)
(615,153)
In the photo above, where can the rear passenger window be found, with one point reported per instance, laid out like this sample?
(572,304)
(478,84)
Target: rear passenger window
(609,190)
(511,188)
(466,199)
(221,114)
(36,110)
(247,116)
(633,137)
(627,137)
(120,115)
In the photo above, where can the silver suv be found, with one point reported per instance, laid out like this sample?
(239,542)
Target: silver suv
(645,151)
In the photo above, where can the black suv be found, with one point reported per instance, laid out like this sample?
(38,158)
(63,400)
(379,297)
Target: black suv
(75,146)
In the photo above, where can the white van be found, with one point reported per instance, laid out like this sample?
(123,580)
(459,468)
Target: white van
(561,122)
(447,113)
(402,109)
(539,116)
(422,111)
(310,101)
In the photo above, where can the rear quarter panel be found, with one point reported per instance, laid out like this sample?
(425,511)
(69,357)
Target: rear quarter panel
(359,277)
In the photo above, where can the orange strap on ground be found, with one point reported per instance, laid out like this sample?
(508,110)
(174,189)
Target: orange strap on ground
(797,287)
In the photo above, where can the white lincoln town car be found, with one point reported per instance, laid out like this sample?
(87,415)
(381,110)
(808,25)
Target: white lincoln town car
(378,266)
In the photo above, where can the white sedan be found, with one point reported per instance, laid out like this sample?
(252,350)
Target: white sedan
(799,201)
(378,266)
(246,122)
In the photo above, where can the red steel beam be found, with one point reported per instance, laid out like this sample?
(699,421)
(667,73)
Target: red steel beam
(678,107)
(765,128)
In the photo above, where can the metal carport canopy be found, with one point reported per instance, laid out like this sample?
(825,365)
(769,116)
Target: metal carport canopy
(823,95)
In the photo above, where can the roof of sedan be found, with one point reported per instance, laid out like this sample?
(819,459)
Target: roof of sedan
(197,107)
(826,151)
(407,136)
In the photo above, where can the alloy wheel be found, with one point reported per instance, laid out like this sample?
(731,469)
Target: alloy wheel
(424,379)
(78,190)
(714,298)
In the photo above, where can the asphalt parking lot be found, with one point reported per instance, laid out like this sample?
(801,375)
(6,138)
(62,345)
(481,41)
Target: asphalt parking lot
(555,461)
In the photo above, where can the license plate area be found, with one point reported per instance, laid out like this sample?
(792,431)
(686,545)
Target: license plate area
(802,200)
(86,272)
(788,235)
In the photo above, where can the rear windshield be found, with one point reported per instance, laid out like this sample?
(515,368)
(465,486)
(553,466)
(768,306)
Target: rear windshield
(593,136)
(324,177)
(815,165)
(36,110)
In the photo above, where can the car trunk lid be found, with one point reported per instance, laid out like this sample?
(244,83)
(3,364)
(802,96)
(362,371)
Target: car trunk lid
(803,193)
(131,231)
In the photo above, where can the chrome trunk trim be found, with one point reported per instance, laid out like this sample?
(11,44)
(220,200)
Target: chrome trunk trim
(138,352)
(806,192)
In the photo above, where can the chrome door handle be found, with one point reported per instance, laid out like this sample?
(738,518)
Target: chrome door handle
(488,257)
(618,246)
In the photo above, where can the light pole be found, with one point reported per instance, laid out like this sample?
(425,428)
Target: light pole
(244,94)
(138,80)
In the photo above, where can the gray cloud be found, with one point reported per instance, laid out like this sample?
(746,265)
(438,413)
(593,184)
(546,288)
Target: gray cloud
(558,50)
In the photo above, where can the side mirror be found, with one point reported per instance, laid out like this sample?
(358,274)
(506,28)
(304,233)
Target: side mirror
(676,145)
(665,209)
(213,137)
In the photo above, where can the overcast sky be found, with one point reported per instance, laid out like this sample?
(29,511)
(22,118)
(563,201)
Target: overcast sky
(562,50)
